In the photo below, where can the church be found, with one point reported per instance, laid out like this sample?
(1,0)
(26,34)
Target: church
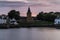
(29,16)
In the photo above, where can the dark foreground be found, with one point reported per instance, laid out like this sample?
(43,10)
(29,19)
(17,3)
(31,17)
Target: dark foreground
(2,26)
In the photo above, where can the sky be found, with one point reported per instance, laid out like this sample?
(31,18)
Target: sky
(38,1)
(35,5)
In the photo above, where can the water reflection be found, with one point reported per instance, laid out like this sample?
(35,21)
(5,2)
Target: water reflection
(30,34)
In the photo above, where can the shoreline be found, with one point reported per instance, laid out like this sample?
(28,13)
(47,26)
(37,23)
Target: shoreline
(28,26)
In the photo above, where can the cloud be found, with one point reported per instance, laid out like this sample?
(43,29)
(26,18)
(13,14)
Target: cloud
(12,4)
(46,2)
(24,3)
(38,1)
(18,0)
(55,1)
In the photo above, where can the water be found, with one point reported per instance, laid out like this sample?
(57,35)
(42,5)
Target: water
(30,34)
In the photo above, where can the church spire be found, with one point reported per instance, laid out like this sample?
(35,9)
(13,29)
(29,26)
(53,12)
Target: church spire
(29,16)
(29,11)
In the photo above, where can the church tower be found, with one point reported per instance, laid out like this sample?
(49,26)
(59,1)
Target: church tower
(29,15)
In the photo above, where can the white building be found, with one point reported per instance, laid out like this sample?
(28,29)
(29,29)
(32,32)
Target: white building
(3,21)
(13,21)
(57,20)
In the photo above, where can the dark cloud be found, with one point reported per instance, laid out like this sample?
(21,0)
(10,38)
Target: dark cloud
(12,4)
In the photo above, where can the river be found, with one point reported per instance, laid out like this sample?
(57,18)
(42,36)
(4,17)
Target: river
(30,34)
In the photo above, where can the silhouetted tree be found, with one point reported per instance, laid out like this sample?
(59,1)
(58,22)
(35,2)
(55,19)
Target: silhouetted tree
(11,14)
(40,16)
(46,16)
(14,14)
(17,16)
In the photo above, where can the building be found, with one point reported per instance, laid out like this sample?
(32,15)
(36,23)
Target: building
(29,15)
(3,19)
(13,21)
(57,20)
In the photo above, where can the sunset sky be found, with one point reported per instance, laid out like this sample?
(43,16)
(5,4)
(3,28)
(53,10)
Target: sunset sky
(36,6)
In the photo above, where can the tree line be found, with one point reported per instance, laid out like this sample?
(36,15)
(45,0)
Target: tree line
(41,15)
(47,16)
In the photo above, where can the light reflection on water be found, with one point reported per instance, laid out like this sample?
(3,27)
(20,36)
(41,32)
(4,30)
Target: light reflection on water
(30,34)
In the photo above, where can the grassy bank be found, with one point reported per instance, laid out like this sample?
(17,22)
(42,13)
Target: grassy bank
(36,23)
(31,24)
